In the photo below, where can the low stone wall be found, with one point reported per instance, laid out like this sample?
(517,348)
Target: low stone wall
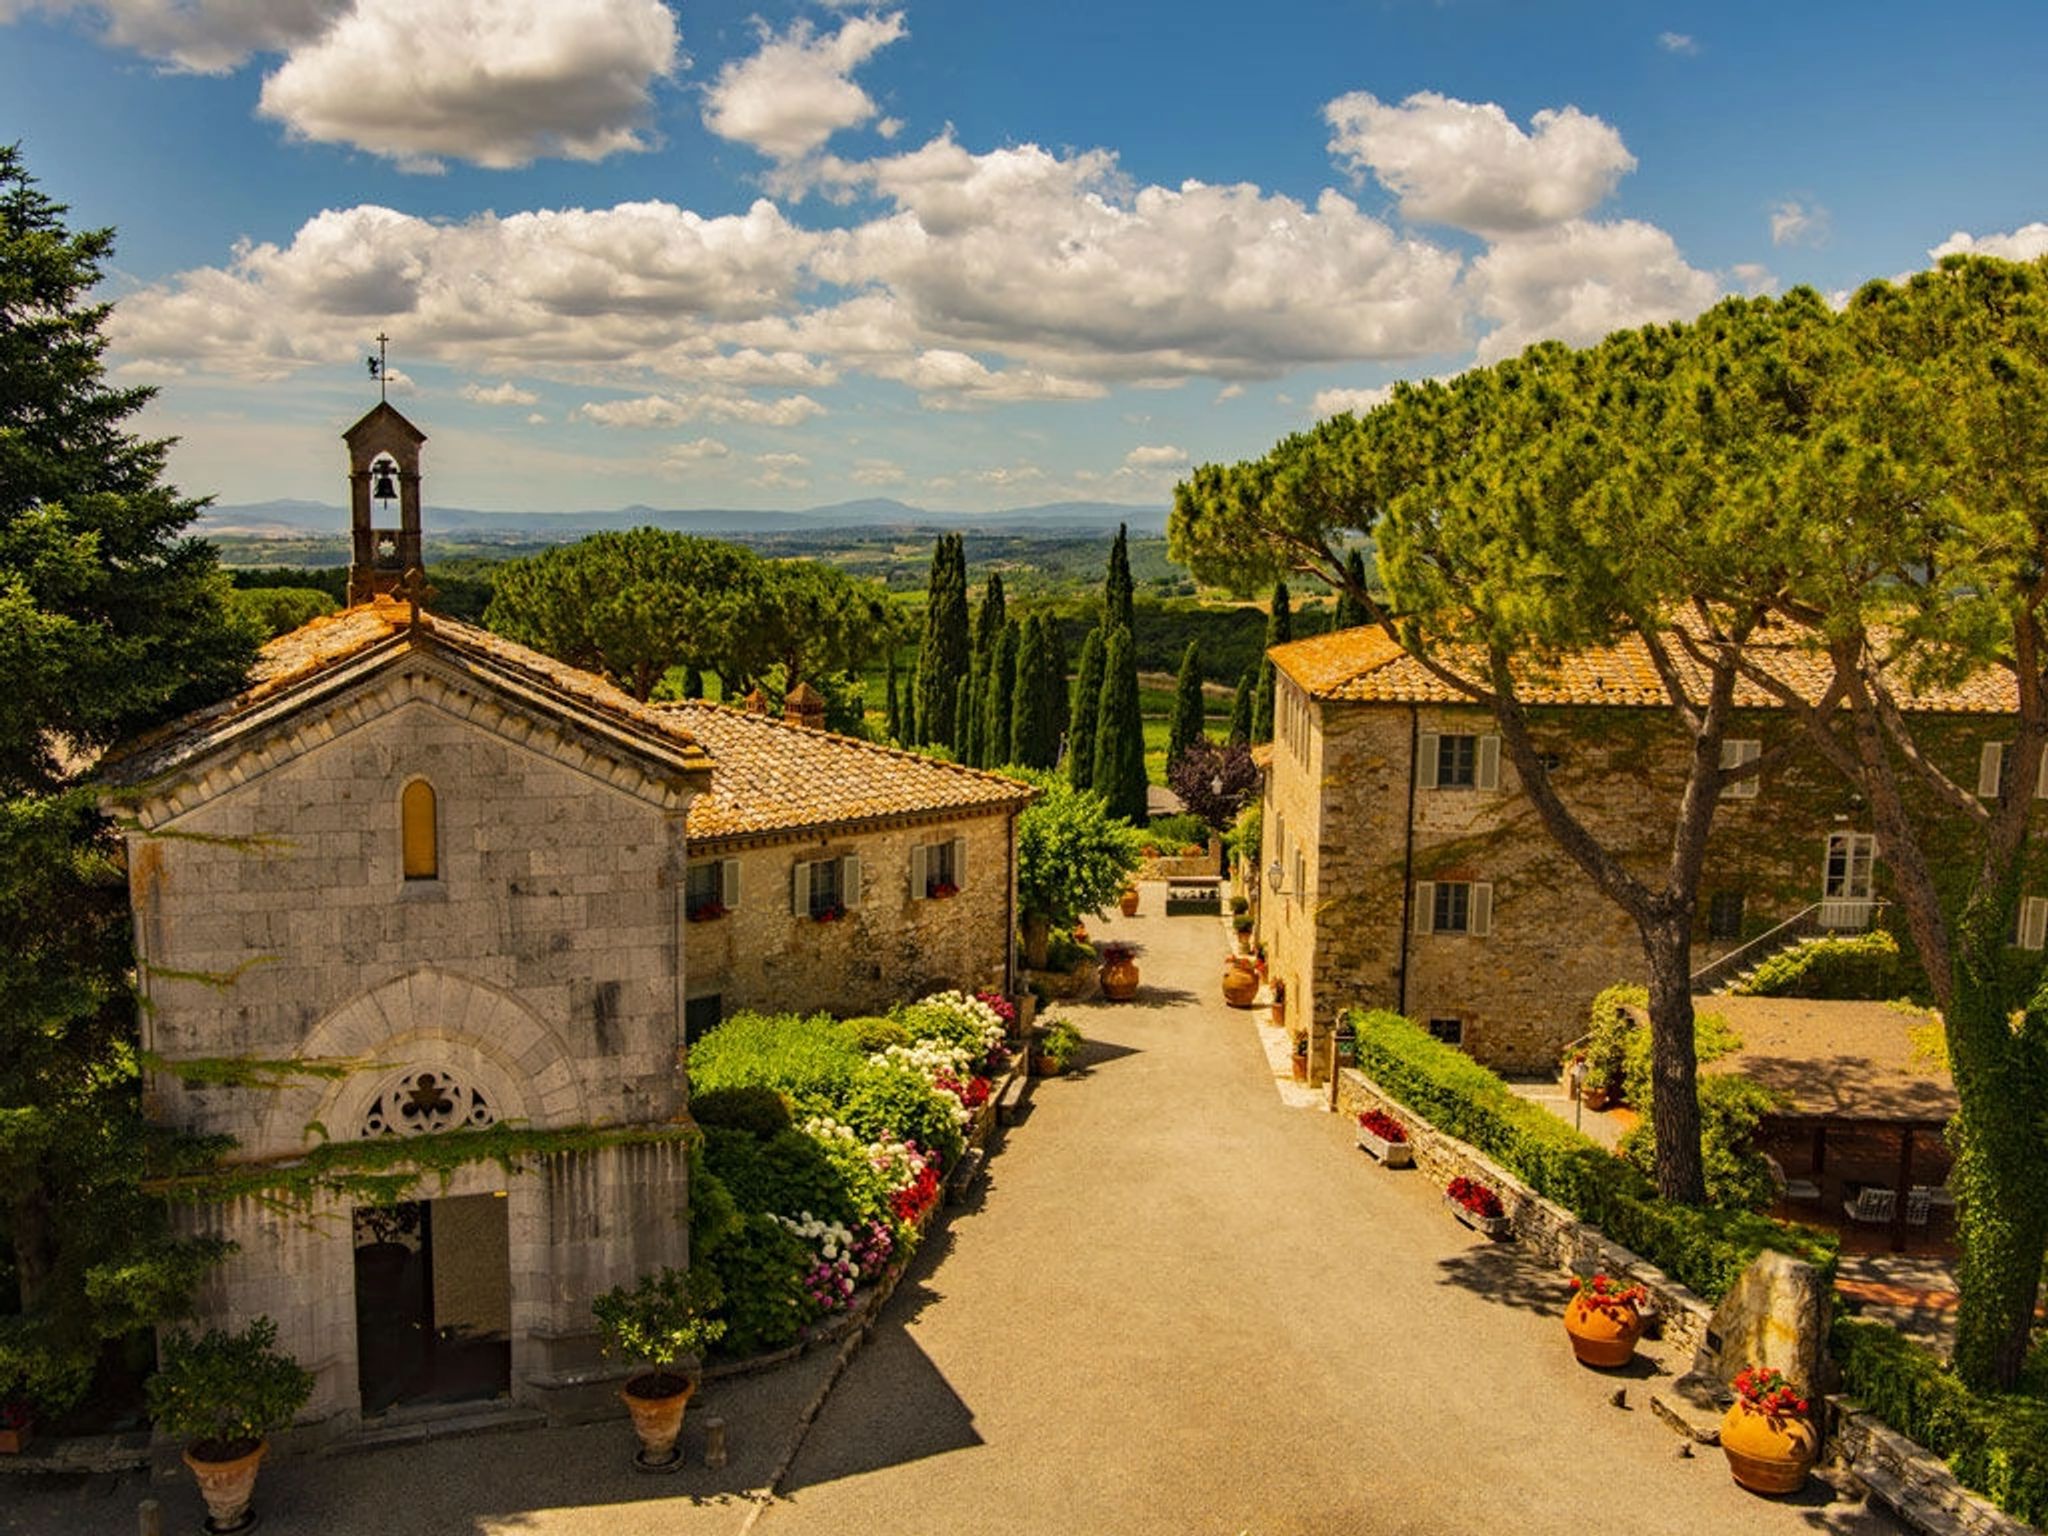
(1912,1481)
(1679,1315)
(1167,866)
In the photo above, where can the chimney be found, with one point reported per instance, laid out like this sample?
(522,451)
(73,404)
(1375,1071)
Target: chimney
(755,703)
(804,706)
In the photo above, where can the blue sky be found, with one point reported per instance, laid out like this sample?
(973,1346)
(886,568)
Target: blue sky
(967,255)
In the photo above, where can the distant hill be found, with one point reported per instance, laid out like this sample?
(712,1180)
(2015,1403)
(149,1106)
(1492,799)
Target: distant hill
(296,519)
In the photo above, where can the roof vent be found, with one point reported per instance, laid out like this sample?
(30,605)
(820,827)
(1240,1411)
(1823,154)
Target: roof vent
(805,706)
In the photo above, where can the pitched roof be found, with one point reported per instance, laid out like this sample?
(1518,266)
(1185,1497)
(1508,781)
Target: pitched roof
(1368,665)
(343,645)
(773,776)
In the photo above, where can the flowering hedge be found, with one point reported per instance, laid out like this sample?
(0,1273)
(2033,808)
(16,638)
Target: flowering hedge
(842,1159)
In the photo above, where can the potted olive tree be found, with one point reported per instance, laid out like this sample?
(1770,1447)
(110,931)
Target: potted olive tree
(222,1393)
(659,1323)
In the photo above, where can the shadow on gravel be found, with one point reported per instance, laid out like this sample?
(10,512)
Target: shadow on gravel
(1097,1053)
(1503,1274)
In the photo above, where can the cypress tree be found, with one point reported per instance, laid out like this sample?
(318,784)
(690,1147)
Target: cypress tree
(1241,710)
(963,713)
(1120,733)
(892,712)
(1350,609)
(1279,630)
(1002,693)
(1119,603)
(942,656)
(1186,725)
(1058,708)
(988,624)
(988,629)
(1086,709)
(974,728)
(910,737)
(1034,730)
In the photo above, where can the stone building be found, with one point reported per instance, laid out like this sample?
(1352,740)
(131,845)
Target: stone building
(416,880)
(1402,868)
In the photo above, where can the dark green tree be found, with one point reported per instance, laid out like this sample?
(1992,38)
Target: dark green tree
(1350,605)
(1279,630)
(111,620)
(806,620)
(988,629)
(1119,775)
(1001,697)
(1185,726)
(892,709)
(963,717)
(1241,710)
(1036,713)
(943,655)
(1085,711)
(1119,597)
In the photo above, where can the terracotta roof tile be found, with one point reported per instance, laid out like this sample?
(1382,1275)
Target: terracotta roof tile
(1367,665)
(773,776)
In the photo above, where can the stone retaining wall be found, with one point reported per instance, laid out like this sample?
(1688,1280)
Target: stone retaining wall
(1167,866)
(1911,1480)
(1679,1315)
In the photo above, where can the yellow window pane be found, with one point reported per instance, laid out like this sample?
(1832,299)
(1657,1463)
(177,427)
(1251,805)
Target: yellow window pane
(422,845)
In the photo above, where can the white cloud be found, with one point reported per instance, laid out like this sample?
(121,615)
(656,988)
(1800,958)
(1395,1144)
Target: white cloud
(782,471)
(506,393)
(682,456)
(878,472)
(1466,164)
(1330,402)
(1797,223)
(1754,278)
(948,380)
(498,82)
(2022,244)
(1228,392)
(535,419)
(1678,42)
(208,37)
(673,410)
(793,95)
(1155,456)
(1580,281)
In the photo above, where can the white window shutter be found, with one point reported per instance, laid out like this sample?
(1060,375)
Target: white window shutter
(960,862)
(800,889)
(1735,752)
(2041,779)
(1488,775)
(729,884)
(1480,922)
(2034,922)
(1426,768)
(849,881)
(1425,906)
(1989,763)
(920,876)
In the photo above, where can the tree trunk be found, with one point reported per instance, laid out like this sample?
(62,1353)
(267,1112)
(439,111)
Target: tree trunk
(34,1246)
(1674,1061)
(2000,1147)
(1037,936)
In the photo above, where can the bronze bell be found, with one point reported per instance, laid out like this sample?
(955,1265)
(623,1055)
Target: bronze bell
(383,482)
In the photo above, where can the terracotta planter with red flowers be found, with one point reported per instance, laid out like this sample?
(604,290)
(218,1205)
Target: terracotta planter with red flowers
(1119,973)
(1604,1320)
(1768,1434)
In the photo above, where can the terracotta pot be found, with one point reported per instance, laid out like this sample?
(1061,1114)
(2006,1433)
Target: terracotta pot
(226,1486)
(656,1402)
(1120,980)
(1592,1097)
(1047,1066)
(1602,1336)
(1128,901)
(14,1441)
(1300,1060)
(1768,1452)
(1240,984)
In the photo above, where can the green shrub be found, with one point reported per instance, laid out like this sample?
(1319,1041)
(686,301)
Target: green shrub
(1703,1249)
(785,1175)
(1064,953)
(714,1214)
(223,1392)
(1170,834)
(761,1267)
(745,1107)
(1239,906)
(872,1035)
(1995,1443)
(1245,835)
(669,1314)
(802,1058)
(894,1101)
(947,1026)
(1606,1048)
(1731,1109)
(1841,965)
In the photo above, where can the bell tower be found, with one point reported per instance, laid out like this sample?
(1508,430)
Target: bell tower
(384,466)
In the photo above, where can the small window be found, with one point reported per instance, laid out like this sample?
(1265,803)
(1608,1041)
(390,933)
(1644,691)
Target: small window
(825,888)
(1453,907)
(1724,915)
(938,870)
(1734,754)
(419,834)
(711,889)
(1450,1031)
(1991,770)
(701,1015)
(1850,857)
(1457,762)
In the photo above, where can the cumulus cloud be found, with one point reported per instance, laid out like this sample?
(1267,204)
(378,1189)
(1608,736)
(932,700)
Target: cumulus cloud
(208,37)
(2022,244)
(1332,402)
(1678,42)
(796,92)
(1580,281)
(681,456)
(878,472)
(506,393)
(1228,392)
(1754,278)
(1798,223)
(947,380)
(673,410)
(1467,164)
(1155,456)
(782,471)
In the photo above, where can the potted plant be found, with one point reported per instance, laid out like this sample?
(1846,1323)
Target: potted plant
(1127,899)
(1279,1004)
(1380,1134)
(658,1323)
(1057,1045)
(1604,1319)
(1767,1433)
(1240,982)
(1241,925)
(1299,1056)
(223,1393)
(1119,972)
(1478,1207)
(17,1425)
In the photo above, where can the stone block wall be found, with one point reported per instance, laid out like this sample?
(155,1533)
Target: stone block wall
(891,945)
(1912,1480)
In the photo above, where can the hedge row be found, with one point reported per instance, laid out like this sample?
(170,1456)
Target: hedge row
(1840,966)
(1705,1250)
(1997,1445)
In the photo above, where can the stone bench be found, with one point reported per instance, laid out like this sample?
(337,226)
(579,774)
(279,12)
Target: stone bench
(1194,893)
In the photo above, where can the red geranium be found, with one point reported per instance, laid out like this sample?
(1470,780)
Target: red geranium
(1606,1294)
(1382,1125)
(1765,1389)
(1475,1197)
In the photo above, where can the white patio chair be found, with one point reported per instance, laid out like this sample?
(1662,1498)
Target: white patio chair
(1871,1204)
(1789,1189)
(1919,1200)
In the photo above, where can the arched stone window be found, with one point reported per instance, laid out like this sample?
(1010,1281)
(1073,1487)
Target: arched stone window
(420,831)
(420,1103)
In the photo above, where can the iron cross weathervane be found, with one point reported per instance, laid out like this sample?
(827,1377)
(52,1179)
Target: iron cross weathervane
(379,369)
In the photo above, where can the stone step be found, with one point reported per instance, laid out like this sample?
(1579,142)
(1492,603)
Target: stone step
(452,1422)
(964,1173)
(1011,1105)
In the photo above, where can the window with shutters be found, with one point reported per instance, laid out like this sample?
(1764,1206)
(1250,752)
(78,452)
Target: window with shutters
(711,889)
(1454,906)
(1724,915)
(2033,931)
(938,870)
(419,831)
(827,896)
(1450,1031)
(1457,762)
(1851,856)
(1735,753)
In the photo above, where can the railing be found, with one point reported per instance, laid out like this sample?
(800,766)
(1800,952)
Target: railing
(1835,915)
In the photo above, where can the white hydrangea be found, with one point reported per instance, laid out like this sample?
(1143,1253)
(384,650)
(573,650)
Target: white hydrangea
(974,1009)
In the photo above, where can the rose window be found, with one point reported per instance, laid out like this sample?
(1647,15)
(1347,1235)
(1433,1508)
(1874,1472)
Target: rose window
(423,1102)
